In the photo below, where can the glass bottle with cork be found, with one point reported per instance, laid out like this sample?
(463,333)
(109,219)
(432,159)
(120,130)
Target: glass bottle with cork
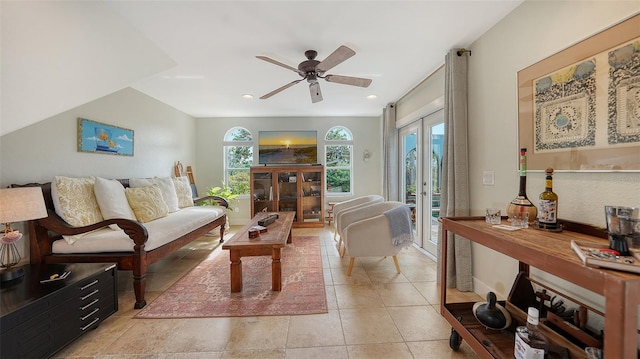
(548,202)
(520,210)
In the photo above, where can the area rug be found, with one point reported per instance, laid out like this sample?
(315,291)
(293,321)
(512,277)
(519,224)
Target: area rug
(205,291)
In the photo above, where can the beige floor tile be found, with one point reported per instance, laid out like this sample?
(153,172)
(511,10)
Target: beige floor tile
(202,335)
(369,326)
(429,290)
(358,276)
(259,333)
(440,349)
(254,354)
(192,355)
(145,336)
(374,313)
(358,296)
(420,323)
(317,353)
(400,294)
(419,273)
(315,330)
(332,301)
(380,351)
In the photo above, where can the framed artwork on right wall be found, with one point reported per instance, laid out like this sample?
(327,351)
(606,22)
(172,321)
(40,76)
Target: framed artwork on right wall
(579,109)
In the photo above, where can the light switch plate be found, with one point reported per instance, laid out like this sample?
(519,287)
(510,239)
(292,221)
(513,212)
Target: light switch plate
(488,178)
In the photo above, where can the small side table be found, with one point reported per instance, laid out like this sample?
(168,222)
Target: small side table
(329,217)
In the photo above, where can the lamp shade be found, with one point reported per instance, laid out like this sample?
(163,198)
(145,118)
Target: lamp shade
(21,204)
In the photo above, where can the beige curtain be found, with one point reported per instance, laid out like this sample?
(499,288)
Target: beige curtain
(455,170)
(390,183)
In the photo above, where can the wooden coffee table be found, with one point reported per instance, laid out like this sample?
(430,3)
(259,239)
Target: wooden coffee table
(271,243)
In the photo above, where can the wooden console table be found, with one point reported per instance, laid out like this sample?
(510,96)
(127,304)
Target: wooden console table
(552,253)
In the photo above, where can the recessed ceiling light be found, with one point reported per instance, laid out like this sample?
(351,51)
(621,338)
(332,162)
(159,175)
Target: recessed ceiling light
(372,97)
(247,96)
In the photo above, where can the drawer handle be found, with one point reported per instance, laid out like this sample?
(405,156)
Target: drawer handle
(90,314)
(90,304)
(89,285)
(90,324)
(90,294)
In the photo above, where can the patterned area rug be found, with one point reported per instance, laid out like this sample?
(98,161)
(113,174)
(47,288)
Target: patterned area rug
(206,292)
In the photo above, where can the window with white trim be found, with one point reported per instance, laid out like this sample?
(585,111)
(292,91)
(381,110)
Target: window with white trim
(238,158)
(338,151)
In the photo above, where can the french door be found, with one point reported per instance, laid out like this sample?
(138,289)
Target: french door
(421,148)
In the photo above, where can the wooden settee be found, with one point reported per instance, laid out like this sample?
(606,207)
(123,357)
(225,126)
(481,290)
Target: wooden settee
(44,232)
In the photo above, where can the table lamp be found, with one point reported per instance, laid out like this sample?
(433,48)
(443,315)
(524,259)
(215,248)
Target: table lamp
(16,205)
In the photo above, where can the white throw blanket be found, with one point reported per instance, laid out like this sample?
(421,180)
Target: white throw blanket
(400,225)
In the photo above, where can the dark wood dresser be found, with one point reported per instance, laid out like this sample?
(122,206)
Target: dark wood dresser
(38,319)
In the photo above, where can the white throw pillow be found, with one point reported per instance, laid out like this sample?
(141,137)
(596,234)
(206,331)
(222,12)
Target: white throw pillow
(75,202)
(166,188)
(183,191)
(112,200)
(147,203)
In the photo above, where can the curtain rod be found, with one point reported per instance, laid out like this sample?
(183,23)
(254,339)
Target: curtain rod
(462,51)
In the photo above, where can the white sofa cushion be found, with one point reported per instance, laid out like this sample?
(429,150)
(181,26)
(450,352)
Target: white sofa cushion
(161,231)
(112,200)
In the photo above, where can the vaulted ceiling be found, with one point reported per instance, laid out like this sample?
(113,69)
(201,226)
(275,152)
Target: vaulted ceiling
(200,56)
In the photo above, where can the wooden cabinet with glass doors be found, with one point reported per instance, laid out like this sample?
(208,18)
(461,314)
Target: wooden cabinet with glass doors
(297,189)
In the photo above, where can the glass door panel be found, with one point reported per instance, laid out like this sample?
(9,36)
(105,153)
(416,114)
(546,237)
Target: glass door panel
(410,175)
(434,131)
(311,187)
(288,192)
(262,189)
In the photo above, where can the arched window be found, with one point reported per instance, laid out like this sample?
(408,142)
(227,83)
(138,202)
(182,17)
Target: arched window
(338,151)
(238,157)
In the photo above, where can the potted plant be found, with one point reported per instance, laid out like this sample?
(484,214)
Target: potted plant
(225,192)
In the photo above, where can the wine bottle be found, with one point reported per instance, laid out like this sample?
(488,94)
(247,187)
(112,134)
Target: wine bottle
(548,214)
(530,342)
(521,207)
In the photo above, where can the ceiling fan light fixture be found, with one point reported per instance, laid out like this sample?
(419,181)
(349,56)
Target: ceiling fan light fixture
(372,97)
(247,96)
(314,89)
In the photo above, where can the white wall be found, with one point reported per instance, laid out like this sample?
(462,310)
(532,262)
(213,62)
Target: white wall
(48,148)
(367,132)
(532,32)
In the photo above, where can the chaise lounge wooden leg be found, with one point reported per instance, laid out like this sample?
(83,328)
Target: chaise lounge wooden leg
(339,244)
(139,287)
(353,259)
(344,250)
(395,261)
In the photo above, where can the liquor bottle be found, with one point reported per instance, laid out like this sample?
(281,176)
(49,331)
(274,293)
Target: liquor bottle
(548,214)
(530,342)
(521,207)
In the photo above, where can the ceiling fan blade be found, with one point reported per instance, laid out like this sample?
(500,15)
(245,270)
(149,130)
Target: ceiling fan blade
(348,80)
(280,89)
(268,59)
(342,53)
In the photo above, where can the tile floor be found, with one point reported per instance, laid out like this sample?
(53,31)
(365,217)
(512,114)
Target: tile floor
(375,313)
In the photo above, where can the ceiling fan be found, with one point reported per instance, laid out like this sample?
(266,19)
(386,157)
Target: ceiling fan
(312,69)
